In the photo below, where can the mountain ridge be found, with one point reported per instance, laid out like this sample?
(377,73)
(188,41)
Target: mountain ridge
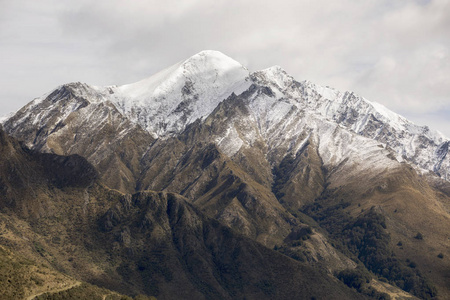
(166,103)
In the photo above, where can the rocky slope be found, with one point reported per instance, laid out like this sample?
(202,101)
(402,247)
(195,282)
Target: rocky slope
(75,119)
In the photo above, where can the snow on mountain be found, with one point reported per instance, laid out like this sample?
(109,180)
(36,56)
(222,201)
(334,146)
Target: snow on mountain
(5,117)
(177,96)
(285,113)
(283,121)
(417,144)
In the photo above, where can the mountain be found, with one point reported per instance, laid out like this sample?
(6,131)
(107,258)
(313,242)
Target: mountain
(166,103)
(328,178)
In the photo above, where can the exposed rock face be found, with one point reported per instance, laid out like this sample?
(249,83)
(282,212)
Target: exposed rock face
(76,119)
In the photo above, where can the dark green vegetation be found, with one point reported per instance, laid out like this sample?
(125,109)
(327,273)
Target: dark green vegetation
(367,239)
(359,279)
(281,175)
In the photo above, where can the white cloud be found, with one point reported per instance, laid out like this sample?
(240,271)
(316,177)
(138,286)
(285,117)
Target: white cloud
(393,52)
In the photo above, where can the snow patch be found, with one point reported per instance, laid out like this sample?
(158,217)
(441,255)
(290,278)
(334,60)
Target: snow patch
(230,143)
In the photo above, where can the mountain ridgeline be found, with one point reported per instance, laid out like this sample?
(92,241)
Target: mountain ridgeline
(208,181)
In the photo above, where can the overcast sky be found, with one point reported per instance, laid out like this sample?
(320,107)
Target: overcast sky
(395,52)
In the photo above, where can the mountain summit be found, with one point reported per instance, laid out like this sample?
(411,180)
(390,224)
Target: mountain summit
(175,97)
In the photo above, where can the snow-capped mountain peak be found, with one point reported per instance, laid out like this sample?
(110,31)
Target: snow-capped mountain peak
(165,103)
(169,100)
(207,67)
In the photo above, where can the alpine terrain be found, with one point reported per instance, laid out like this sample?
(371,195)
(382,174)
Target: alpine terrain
(208,181)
